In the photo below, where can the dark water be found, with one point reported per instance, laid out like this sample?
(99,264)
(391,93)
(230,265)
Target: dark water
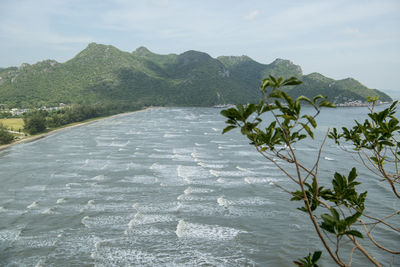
(162,187)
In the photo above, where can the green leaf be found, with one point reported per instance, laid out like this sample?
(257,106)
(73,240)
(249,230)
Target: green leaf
(327,104)
(303,98)
(311,120)
(308,130)
(352,219)
(228,128)
(354,233)
(291,81)
(335,214)
(316,256)
(352,175)
(288,99)
(316,98)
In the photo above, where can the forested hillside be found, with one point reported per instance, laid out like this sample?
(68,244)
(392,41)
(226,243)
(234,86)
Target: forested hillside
(105,74)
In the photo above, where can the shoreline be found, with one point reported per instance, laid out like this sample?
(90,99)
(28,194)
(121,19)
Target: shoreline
(32,138)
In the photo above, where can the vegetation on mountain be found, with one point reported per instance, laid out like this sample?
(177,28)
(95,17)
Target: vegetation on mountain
(337,211)
(104,74)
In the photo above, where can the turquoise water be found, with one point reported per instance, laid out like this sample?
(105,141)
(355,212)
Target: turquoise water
(162,187)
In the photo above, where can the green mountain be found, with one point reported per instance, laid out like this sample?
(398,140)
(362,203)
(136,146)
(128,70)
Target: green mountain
(103,73)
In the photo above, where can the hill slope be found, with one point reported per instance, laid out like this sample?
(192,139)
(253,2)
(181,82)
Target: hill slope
(103,73)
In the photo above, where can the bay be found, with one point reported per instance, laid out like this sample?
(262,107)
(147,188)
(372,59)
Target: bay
(164,187)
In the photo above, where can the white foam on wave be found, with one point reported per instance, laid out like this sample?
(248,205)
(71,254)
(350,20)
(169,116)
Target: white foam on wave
(221,180)
(187,191)
(202,231)
(168,135)
(254,180)
(72,184)
(48,211)
(160,156)
(328,158)
(251,201)
(91,202)
(84,221)
(119,144)
(211,166)
(131,224)
(142,179)
(219,142)
(61,200)
(215,173)
(98,178)
(34,204)
(134,166)
(226,173)
(197,190)
(2,209)
(242,169)
(161,150)
(222,201)
(146,219)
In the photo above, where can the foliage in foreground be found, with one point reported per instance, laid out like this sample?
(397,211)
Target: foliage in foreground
(337,213)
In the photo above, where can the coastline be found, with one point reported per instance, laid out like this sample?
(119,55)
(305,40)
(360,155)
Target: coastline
(32,138)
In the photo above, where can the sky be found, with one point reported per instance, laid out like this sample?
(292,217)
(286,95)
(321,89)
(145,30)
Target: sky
(339,39)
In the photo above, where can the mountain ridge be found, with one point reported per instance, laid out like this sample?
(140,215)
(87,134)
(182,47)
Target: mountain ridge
(103,73)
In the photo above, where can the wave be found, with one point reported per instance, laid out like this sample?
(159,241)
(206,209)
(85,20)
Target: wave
(253,180)
(202,231)
(222,201)
(72,184)
(61,200)
(98,178)
(48,211)
(211,166)
(34,204)
(242,169)
(83,221)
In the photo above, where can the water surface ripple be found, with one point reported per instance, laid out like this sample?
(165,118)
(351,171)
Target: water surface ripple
(160,187)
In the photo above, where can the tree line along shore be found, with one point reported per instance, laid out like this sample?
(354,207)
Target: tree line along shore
(37,124)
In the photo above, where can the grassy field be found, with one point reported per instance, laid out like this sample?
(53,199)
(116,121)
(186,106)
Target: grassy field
(13,124)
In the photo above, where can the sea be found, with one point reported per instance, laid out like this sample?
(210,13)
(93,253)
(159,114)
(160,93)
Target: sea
(164,187)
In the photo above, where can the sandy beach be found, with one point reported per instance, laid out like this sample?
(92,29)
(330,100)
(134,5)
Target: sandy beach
(32,138)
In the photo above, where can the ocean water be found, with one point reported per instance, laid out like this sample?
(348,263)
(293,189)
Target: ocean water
(164,187)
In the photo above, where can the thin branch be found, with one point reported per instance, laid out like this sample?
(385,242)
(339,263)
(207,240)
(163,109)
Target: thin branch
(382,220)
(376,243)
(351,255)
(310,213)
(276,164)
(364,251)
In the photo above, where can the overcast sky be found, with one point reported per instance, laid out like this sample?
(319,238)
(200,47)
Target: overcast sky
(340,39)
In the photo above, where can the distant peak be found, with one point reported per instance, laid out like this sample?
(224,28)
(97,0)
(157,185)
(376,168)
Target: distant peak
(279,61)
(141,51)
(96,46)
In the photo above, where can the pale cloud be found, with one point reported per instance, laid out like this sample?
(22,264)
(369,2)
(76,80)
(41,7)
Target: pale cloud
(252,15)
(261,29)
